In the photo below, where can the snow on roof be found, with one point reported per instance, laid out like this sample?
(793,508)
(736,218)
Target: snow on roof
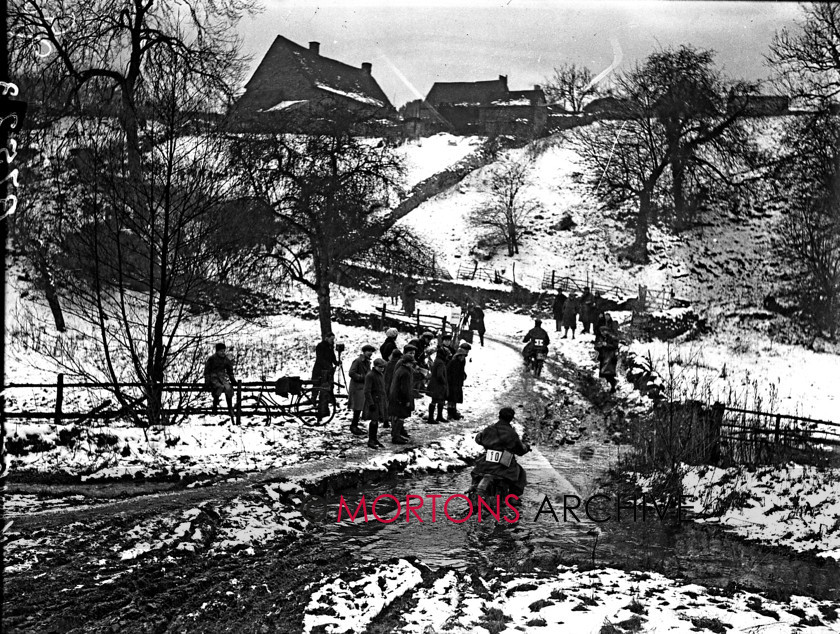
(355,96)
(283,105)
(512,102)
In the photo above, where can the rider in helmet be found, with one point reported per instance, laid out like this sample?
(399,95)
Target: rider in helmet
(534,335)
(502,444)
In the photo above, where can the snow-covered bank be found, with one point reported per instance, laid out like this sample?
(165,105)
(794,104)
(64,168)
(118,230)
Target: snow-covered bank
(793,506)
(565,599)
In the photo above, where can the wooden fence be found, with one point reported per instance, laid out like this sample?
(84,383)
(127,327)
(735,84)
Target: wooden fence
(250,398)
(416,323)
(484,274)
(652,298)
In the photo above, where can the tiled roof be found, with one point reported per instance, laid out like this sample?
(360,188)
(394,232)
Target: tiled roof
(465,93)
(291,72)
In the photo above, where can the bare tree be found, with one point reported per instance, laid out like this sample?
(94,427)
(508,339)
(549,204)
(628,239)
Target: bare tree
(807,60)
(102,49)
(509,207)
(330,191)
(675,105)
(570,86)
(134,252)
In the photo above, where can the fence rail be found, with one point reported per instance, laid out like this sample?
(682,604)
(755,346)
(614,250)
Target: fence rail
(266,398)
(417,321)
(656,298)
(481,273)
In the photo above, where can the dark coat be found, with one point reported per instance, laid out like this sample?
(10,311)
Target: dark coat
(438,387)
(388,347)
(536,332)
(570,310)
(325,363)
(358,371)
(376,402)
(389,372)
(401,394)
(220,368)
(501,436)
(587,308)
(608,351)
(456,374)
(557,306)
(477,319)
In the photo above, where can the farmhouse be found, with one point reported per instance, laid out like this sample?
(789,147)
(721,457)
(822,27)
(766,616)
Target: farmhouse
(480,107)
(292,80)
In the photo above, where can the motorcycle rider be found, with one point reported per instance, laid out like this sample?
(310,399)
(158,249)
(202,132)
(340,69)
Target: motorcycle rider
(536,334)
(501,444)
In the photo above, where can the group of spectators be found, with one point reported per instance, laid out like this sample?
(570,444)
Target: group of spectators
(384,390)
(587,307)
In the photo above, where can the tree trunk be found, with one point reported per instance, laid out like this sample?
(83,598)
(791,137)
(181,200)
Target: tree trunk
(638,250)
(51,294)
(677,188)
(322,281)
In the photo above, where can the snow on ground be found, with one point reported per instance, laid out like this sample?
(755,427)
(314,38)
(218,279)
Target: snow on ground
(748,369)
(793,506)
(343,605)
(427,156)
(567,599)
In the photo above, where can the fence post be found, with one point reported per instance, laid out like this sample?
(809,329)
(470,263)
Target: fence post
(59,397)
(475,269)
(776,436)
(382,321)
(714,433)
(417,313)
(239,402)
(552,279)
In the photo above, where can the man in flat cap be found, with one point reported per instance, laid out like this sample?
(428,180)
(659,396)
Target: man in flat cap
(218,377)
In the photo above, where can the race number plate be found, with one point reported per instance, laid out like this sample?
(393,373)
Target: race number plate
(502,457)
(493,456)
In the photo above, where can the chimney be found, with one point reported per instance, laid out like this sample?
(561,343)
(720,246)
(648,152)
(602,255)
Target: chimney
(503,79)
(366,67)
(315,47)
(537,87)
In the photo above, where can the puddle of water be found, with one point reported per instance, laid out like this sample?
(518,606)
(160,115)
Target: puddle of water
(700,556)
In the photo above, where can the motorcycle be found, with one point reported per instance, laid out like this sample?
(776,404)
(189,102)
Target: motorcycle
(538,356)
(488,485)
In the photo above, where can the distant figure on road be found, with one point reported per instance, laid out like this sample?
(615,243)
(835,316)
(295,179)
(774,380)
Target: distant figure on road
(608,351)
(409,296)
(570,310)
(557,310)
(587,309)
(322,374)
(218,376)
(477,322)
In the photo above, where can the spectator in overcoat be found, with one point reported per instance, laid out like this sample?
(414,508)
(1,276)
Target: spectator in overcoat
(218,377)
(376,402)
(477,322)
(587,309)
(389,344)
(557,309)
(608,352)
(438,385)
(358,371)
(323,373)
(570,311)
(401,395)
(456,375)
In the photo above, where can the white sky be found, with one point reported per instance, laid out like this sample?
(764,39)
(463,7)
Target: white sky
(417,42)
